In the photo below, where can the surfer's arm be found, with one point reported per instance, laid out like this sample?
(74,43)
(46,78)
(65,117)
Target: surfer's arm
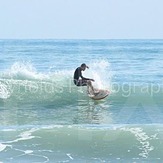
(83,78)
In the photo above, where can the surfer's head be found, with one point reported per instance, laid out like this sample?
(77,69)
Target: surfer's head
(83,66)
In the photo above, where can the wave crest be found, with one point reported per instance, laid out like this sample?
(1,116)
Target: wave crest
(23,83)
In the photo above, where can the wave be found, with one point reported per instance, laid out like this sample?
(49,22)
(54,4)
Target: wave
(125,143)
(22,83)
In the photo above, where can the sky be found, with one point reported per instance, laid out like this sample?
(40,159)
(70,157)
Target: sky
(81,19)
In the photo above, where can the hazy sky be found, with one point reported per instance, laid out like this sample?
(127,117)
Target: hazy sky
(81,19)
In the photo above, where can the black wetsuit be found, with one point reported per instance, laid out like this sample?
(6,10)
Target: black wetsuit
(77,75)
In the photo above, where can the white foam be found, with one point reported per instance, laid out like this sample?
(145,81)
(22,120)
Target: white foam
(4,92)
(27,135)
(2,147)
(24,136)
(143,139)
(69,155)
(23,70)
(52,126)
(8,129)
(101,72)
(28,151)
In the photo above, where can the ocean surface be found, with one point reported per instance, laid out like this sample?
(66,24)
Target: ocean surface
(45,118)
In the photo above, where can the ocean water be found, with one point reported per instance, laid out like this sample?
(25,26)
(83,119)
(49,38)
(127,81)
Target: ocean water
(45,118)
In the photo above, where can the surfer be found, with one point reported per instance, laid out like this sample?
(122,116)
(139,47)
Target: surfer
(83,81)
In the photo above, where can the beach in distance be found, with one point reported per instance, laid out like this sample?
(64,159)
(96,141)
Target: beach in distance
(45,118)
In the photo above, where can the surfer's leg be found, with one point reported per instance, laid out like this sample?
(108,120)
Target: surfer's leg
(89,84)
(90,89)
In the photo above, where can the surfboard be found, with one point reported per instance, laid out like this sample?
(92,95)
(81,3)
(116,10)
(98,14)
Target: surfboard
(102,93)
